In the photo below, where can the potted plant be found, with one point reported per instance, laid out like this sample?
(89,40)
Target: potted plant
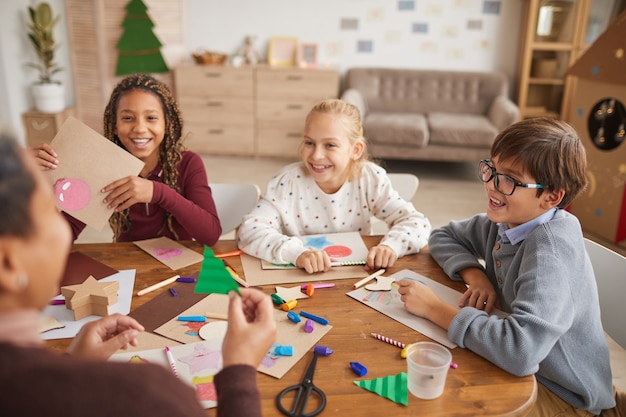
(48,93)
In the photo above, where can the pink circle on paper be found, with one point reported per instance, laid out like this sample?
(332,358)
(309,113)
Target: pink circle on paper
(338,251)
(72,193)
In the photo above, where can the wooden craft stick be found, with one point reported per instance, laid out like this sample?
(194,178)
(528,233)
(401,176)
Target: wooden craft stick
(220,316)
(158,285)
(368,278)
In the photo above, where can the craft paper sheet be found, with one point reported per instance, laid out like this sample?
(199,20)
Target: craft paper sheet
(288,333)
(170,252)
(389,303)
(126,279)
(87,163)
(196,364)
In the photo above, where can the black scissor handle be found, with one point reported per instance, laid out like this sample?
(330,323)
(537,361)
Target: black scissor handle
(302,398)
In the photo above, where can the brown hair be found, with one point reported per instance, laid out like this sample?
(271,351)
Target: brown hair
(352,121)
(170,152)
(550,151)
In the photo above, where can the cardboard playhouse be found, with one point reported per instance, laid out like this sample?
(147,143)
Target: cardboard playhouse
(598,113)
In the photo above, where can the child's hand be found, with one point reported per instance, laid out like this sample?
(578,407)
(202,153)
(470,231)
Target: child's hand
(101,338)
(314,261)
(127,191)
(45,156)
(380,256)
(419,299)
(480,293)
(251,328)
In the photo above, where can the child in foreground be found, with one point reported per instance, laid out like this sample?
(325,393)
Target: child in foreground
(171,196)
(34,244)
(536,270)
(333,189)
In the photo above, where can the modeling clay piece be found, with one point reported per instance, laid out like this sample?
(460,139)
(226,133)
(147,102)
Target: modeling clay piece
(90,297)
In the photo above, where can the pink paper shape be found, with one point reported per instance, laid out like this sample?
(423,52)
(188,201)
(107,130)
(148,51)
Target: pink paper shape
(72,193)
(202,358)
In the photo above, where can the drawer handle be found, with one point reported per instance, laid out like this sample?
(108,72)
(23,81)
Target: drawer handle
(216,131)
(44,124)
(294,106)
(212,74)
(215,104)
(294,78)
(294,135)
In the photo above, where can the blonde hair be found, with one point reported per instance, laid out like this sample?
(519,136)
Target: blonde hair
(170,151)
(351,119)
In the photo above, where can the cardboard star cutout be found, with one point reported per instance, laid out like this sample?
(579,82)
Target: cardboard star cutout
(90,297)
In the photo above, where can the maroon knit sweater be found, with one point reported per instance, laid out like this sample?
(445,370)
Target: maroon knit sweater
(194,215)
(38,382)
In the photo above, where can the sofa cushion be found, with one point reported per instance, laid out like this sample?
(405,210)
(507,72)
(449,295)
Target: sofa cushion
(403,129)
(461,130)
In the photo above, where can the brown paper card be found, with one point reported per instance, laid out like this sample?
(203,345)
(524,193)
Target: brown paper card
(169,252)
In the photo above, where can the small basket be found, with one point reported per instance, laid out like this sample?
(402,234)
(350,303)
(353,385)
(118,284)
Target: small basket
(209,58)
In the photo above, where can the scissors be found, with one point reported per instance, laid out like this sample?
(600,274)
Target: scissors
(303,392)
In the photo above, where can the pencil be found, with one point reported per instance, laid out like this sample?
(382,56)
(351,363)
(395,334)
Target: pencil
(368,278)
(158,285)
(236,276)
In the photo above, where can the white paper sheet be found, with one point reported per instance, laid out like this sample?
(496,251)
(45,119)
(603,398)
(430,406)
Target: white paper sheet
(62,314)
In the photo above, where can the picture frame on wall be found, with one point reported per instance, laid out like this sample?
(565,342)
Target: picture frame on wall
(282,51)
(307,55)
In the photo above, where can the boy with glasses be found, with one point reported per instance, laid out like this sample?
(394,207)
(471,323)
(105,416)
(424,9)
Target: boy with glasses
(535,269)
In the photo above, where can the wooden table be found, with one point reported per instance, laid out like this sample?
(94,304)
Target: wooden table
(476,387)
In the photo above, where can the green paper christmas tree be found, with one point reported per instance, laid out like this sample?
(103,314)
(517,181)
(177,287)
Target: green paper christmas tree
(138,47)
(392,387)
(213,276)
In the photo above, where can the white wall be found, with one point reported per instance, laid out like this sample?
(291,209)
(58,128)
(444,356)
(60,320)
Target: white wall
(460,36)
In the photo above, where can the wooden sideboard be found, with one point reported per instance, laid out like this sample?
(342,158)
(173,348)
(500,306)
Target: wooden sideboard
(249,111)
(42,127)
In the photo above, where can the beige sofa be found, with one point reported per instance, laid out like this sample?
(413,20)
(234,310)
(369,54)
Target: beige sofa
(427,114)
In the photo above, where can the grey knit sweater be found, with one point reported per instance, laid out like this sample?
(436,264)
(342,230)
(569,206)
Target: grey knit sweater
(546,284)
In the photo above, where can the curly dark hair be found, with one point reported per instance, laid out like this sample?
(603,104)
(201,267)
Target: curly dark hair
(170,152)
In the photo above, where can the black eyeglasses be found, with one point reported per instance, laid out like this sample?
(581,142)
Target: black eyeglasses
(503,183)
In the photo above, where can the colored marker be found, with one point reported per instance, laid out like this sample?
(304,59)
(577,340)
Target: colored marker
(309,326)
(227,254)
(170,359)
(173,292)
(368,278)
(316,286)
(186,279)
(57,302)
(277,299)
(192,318)
(320,320)
(389,340)
(158,285)
(358,369)
(293,316)
(323,350)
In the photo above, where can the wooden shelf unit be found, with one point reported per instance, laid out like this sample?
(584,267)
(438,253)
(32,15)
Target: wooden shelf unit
(554,34)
